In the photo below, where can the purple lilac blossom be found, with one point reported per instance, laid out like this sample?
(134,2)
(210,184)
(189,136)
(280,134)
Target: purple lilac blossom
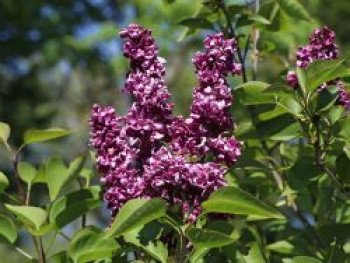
(144,154)
(321,46)
(210,118)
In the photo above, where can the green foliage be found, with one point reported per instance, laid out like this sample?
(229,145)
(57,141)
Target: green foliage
(35,136)
(8,229)
(73,205)
(56,176)
(4,132)
(136,213)
(89,245)
(233,200)
(286,199)
(4,182)
(295,9)
(32,216)
(27,172)
(322,71)
(147,237)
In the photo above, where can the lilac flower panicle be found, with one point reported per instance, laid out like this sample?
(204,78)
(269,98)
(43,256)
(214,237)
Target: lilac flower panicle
(148,152)
(321,46)
(210,117)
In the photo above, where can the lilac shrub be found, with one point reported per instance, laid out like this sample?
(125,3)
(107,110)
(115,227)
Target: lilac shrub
(149,152)
(321,46)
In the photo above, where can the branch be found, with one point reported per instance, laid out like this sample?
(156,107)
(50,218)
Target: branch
(232,34)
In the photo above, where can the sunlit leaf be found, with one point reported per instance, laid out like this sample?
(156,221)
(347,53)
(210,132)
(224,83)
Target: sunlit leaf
(305,259)
(4,132)
(56,176)
(89,245)
(30,215)
(153,247)
(8,229)
(4,182)
(233,200)
(27,172)
(34,136)
(136,213)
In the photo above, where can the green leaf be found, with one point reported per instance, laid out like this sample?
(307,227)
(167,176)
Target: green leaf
(295,9)
(255,254)
(256,85)
(302,78)
(56,176)
(345,129)
(89,244)
(8,229)
(196,22)
(30,215)
(327,98)
(198,254)
(41,176)
(59,257)
(4,182)
(4,132)
(152,247)
(233,200)
(281,128)
(259,19)
(34,136)
(322,71)
(136,213)
(76,166)
(335,113)
(27,172)
(342,165)
(283,247)
(290,105)
(73,205)
(44,229)
(304,259)
(236,9)
(205,238)
(252,93)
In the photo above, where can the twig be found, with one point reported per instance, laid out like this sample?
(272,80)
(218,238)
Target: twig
(232,34)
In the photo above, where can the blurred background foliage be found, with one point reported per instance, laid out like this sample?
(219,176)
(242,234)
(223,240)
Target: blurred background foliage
(58,57)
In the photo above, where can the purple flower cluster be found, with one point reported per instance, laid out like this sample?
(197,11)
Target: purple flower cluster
(151,153)
(321,46)
(203,132)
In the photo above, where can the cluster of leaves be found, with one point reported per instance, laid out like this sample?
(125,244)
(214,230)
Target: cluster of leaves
(287,197)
